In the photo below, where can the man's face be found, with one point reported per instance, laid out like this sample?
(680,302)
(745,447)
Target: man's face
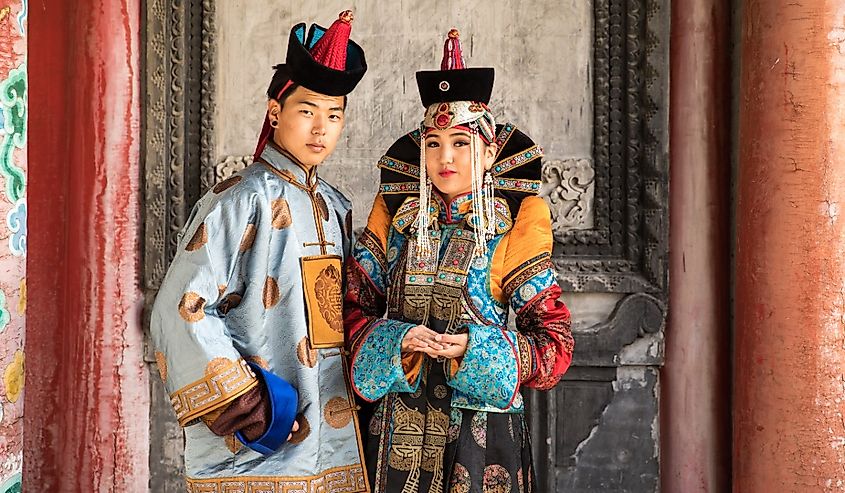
(309,126)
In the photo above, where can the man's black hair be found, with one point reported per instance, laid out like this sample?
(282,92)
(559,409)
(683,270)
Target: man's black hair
(280,78)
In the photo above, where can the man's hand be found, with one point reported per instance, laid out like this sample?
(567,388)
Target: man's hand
(293,429)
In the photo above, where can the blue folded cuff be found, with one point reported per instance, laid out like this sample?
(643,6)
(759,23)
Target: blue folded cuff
(283,404)
(489,371)
(377,366)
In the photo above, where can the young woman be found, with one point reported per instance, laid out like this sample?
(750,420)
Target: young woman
(456,239)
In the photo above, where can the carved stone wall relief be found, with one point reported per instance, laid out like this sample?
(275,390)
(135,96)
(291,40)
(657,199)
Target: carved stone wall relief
(569,188)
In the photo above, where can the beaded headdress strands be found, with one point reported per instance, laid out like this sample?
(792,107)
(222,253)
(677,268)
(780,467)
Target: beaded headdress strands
(457,97)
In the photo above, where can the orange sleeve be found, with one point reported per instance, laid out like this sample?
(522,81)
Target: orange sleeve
(529,237)
(379,220)
(531,234)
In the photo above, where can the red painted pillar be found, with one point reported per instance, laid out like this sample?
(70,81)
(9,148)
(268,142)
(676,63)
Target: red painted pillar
(789,415)
(13,209)
(87,396)
(695,405)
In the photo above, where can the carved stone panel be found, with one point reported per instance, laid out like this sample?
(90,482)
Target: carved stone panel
(569,188)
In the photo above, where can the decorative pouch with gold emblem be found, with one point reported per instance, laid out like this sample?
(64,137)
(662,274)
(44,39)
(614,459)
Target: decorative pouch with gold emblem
(322,277)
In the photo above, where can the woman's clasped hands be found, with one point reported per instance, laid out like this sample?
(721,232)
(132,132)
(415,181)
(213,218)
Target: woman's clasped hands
(424,340)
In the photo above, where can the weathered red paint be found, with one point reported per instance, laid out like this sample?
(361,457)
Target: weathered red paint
(695,404)
(87,395)
(789,430)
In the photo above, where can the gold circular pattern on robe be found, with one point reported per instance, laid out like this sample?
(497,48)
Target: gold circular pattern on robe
(460,481)
(216,366)
(440,391)
(307,355)
(338,412)
(161,361)
(191,307)
(227,184)
(302,433)
(496,479)
(322,206)
(271,293)
(249,238)
(327,289)
(258,360)
(478,428)
(230,301)
(199,239)
(233,444)
(456,418)
(281,214)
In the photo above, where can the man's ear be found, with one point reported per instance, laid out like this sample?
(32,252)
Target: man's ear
(273,108)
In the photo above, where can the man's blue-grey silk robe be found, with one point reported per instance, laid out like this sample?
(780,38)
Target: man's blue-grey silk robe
(256,287)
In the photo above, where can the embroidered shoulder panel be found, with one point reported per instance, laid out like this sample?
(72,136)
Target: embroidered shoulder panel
(404,221)
(372,258)
(528,269)
(510,163)
(504,221)
(408,169)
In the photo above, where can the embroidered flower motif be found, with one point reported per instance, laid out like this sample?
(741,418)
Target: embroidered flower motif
(280,211)
(461,481)
(248,238)
(496,479)
(338,412)
(162,365)
(478,427)
(322,206)
(455,420)
(271,294)
(307,356)
(199,239)
(227,184)
(303,432)
(192,307)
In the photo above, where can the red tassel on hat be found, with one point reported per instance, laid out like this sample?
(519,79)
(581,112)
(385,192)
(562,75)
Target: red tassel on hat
(330,50)
(453,57)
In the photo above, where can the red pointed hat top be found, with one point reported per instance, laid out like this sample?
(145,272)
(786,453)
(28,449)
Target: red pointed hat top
(330,49)
(453,57)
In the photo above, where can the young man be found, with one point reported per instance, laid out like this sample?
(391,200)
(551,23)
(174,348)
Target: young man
(248,323)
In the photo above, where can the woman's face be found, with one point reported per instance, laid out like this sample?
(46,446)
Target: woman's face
(448,160)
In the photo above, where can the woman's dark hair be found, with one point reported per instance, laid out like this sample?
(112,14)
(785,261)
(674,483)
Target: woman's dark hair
(280,78)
